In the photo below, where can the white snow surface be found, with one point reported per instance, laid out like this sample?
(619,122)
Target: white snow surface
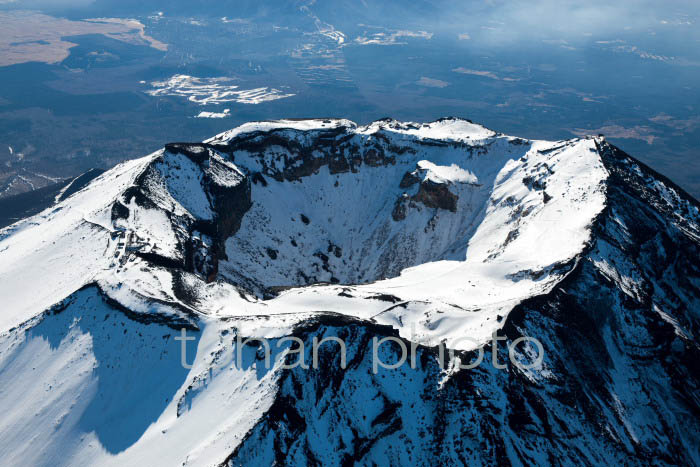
(460,279)
(92,406)
(270,125)
(443,174)
(225,114)
(467,269)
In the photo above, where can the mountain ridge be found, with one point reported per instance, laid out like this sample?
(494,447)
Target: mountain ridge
(574,243)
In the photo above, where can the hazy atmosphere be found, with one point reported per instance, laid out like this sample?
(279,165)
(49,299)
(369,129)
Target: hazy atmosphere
(545,69)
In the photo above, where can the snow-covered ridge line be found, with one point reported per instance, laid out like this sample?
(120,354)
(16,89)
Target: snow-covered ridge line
(453,221)
(451,128)
(320,229)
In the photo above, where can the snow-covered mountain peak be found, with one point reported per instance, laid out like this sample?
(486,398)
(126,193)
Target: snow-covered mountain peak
(284,124)
(446,129)
(452,221)
(439,232)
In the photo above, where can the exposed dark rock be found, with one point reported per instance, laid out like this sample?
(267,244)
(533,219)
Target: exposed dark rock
(335,250)
(119,211)
(159,260)
(436,195)
(534,183)
(409,179)
(322,257)
(258,178)
(400,208)
(385,298)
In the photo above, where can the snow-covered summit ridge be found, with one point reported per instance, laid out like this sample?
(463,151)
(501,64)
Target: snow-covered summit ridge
(450,224)
(571,242)
(450,128)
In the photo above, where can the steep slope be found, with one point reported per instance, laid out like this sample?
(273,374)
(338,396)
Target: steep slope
(440,232)
(17,207)
(619,383)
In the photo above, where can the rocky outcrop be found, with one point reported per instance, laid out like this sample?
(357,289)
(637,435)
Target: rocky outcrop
(201,240)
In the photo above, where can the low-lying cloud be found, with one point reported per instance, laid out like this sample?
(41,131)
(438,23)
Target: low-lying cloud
(517,20)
